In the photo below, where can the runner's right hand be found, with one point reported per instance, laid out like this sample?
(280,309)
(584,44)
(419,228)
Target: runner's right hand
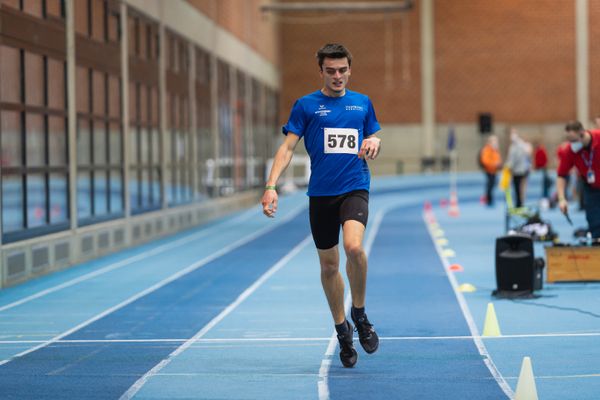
(269,203)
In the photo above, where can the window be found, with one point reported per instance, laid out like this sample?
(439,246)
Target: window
(178,143)
(241,135)
(272,119)
(225,161)
(204,138)
(144,124)
(33,121)
(99,122)
(259,144)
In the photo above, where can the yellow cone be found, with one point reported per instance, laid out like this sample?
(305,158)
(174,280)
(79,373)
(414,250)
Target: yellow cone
(526,389)
(438,233)
(490,326)
(467,288)
(448,253)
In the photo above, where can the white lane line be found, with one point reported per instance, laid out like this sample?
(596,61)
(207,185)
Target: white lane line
(203,374)
(150,253)
(179,274)
(559,376)
(262,374)
(487,359)
(323,381)
(276,267)
(305,339)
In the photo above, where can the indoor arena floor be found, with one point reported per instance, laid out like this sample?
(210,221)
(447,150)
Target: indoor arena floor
(234,309)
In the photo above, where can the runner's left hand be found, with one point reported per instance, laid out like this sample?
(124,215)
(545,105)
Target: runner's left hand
(370,148)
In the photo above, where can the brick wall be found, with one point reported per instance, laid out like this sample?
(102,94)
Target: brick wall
(386,63)
(514,58)
(244,19)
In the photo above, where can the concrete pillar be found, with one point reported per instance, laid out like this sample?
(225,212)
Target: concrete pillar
(582,61)
(427,77)
(71,111)
(162,96)
(125,109)
(215,123)
(192,134)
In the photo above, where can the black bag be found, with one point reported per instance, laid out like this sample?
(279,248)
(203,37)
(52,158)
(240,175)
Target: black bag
(538,229)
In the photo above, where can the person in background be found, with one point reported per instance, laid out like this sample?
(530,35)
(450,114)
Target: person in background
(519,163)
(491,162)
(583,153)
(540,163)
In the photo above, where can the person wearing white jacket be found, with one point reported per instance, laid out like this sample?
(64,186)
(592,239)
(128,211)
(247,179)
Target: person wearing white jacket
(519,163)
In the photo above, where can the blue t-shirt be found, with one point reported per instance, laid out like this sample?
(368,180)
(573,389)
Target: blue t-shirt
(333,129)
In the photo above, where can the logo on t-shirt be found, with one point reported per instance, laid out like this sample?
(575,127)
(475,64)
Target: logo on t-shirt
(322,111)
(354,108)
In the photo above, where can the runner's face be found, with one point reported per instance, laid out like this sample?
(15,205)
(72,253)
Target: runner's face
(335,74)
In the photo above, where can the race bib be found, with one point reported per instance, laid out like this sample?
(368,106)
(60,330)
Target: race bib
(341,140)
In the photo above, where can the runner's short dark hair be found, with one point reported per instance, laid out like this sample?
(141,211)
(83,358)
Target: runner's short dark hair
(574,126)
(333,50)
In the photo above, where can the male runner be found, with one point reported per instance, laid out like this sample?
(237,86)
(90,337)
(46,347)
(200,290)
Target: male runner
(338,127)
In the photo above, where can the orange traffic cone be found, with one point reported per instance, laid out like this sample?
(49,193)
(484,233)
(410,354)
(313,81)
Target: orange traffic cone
(453,210)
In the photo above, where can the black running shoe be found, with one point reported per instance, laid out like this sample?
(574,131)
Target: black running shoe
(366,334)
(348,355)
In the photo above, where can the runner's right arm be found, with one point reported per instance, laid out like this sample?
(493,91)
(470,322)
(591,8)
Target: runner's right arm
(280,163)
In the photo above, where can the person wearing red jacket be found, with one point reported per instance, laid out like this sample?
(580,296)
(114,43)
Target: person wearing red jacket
(583,153)
(540,163)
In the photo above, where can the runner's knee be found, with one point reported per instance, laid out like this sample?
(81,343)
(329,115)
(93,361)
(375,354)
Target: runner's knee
(353,250)
(329,268)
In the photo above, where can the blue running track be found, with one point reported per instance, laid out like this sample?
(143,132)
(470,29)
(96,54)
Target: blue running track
(408,285)
(235,310)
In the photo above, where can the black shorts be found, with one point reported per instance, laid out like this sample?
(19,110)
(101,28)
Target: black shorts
(328,214)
